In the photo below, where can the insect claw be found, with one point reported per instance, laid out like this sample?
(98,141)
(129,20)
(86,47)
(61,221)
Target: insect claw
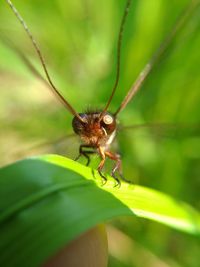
(104,179)
(117,183)
(78,157)
(88,162)
(124,179)
(103,182)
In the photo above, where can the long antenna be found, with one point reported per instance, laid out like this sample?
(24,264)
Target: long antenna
(119,44)
(37,49)
(149,66)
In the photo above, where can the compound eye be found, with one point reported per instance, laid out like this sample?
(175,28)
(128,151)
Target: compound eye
(107,119)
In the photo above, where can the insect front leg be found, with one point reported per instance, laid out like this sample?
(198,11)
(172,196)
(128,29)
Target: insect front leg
(117,167)
(85,153)
(101,164)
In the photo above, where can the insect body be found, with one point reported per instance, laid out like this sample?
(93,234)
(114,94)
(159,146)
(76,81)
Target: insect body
(97,129)
(97,132)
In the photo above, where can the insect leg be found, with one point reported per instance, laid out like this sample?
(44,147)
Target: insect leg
(117,167)
(85,153)
(101,165)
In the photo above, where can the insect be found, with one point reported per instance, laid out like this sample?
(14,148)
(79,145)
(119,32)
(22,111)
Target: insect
(97,129)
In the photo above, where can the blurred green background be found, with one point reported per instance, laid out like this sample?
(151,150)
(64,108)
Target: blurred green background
(78,40)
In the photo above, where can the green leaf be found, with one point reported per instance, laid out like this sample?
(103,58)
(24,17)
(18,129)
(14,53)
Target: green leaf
(47,201)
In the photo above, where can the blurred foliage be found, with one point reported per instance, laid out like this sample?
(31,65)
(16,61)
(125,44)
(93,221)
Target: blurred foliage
(78,39)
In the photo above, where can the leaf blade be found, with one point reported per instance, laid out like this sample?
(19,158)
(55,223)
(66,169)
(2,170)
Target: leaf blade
(47,201)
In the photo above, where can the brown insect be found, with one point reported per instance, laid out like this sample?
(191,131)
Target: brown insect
(97,129)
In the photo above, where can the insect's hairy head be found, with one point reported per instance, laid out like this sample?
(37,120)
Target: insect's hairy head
(93,123)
